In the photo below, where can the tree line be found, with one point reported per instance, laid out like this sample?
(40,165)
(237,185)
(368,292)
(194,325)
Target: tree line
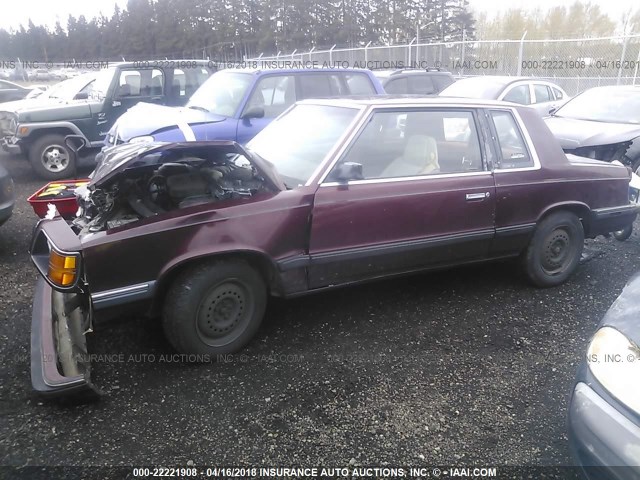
(578,20)
(230,29)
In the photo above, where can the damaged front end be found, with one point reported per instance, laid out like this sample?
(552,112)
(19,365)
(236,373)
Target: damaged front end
(131,184)
(62,314)
(134,182)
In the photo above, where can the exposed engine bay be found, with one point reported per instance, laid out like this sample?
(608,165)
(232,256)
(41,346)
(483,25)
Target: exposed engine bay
(164,181)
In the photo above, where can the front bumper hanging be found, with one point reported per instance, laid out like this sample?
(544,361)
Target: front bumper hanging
(60,363)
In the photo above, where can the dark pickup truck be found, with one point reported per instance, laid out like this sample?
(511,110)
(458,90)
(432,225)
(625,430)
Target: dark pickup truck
(39,131)
(332,192)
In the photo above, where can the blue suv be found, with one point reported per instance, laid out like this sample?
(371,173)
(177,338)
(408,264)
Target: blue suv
(237,104)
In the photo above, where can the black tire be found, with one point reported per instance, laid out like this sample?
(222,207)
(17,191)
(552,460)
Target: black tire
(214,308)
(51,158)
(624,234)
(555,250)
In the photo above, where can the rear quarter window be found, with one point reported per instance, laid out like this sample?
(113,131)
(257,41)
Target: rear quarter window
(558,93)
(513,152)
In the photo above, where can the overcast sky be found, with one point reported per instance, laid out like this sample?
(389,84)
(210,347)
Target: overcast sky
(46,12)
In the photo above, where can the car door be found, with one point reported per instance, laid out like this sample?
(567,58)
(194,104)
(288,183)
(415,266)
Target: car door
(132,86)
(517,93)
(517,173)
(425,198)
(543,98)
(274,94)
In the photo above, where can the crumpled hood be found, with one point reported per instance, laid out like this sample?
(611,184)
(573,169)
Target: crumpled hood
(573,133)
(114,161)
(149,118)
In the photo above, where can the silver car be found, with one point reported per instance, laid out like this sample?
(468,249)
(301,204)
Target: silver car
(542,95)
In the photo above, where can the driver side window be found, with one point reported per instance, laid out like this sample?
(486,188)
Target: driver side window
(411,143)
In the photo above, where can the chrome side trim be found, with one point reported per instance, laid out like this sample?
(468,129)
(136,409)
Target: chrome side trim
(118,296)
(407,179)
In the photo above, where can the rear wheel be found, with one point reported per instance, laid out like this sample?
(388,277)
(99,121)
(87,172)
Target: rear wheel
(51,158)
(215,308)
(555,250)
(624,234)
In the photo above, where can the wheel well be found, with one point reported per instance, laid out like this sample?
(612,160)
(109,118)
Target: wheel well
(39,133)
(580,211)
(262,264)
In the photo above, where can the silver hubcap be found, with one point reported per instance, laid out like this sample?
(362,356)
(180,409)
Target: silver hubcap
(55,158)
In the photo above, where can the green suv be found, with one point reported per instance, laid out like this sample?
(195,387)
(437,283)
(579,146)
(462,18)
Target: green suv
(39,131)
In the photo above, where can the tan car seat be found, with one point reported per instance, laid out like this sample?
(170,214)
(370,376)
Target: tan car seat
(420,157)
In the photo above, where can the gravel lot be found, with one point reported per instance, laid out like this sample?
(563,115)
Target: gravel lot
(466,367)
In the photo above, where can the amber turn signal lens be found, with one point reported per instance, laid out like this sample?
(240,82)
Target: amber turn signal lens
(23,130)
(62,269)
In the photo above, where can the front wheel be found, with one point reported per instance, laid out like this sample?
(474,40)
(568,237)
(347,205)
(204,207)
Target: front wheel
(624,234)
(51,158)
(215,308)
(555,250)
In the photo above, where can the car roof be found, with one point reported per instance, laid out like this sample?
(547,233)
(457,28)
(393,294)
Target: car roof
(501,79)
(260,71)
(160,63)
(409,71)
(618,88)
(381,100)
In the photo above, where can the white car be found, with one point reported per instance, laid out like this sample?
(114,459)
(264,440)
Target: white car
(542,95)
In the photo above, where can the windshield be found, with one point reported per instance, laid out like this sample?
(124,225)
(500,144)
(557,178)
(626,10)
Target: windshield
(604,105)
(297,142)
(102,83)
(222,93)
(68,89)
(478,87)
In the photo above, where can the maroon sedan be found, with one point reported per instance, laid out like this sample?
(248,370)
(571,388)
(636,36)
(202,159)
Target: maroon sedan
(331,193)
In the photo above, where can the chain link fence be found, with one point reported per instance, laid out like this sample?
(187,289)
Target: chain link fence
(575,64)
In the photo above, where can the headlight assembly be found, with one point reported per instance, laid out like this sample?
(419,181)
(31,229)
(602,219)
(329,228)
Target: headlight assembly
(13,125)
(615,362)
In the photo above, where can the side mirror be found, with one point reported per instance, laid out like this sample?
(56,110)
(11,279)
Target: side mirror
(75,142)
(81,96)
(253,112)
(346,171)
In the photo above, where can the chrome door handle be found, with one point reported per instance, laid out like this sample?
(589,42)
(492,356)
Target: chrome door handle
(477,196)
